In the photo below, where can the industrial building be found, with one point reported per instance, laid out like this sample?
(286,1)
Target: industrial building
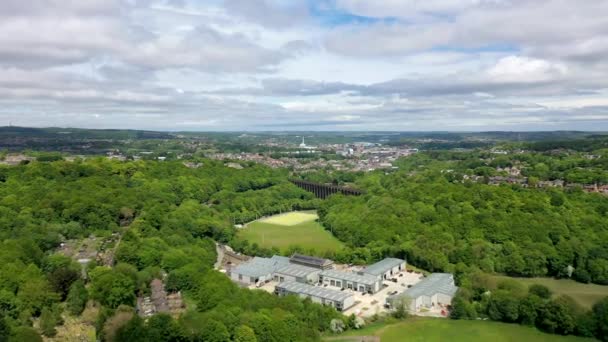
(364,283)
(340,300)
(436,290)
(297,273)
(385,269)
(310,261)
(257,270)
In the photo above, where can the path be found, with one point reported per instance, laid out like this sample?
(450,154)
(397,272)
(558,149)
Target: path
(220,256)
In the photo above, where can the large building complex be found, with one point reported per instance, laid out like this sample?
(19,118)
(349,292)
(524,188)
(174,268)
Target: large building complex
(364,283)
(385,268)
(436,290)
(338,299)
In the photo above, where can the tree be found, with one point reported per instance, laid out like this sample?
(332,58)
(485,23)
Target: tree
(77,298)
(214,331)
(25,334)
(600,315)
(112,288)
(503,307)
(244,333)
(162,328)
(48,323)
(401,306)
(540,290)
(132,331)
(61,279)
(5,329)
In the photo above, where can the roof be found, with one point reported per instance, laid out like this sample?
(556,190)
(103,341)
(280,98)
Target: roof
(296,270)
(382,266)
(306,259)
(431,285)
(349,276)
(314,291)
(258,267)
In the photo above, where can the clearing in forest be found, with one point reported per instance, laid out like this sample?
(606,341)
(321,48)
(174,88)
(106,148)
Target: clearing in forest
(441,329)
(291,219)
(291,229)
(584,294)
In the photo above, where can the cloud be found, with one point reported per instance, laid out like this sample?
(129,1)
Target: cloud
(328,65)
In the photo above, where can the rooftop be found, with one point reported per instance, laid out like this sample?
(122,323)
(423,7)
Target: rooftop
(306,259)
(382,266)
(296,270)
(350,276)
(435,283)
(258,266)
(315,291)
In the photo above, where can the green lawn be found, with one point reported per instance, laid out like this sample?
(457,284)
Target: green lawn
(584,294)
(308,234)
(440,329)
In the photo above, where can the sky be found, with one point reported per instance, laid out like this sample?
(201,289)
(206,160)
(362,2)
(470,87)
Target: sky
(327,65)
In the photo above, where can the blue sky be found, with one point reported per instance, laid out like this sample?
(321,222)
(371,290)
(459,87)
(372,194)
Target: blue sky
(304,64)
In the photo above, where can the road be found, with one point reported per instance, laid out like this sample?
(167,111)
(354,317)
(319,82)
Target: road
(220,256)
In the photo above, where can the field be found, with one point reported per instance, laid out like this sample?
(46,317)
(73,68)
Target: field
(584,294)
(290,229)
(439,329)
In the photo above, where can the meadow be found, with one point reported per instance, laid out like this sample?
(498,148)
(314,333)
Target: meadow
(440,329)
(290,229)
(584,294)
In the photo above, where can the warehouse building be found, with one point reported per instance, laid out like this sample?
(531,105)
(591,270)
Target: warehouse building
(310,261)
(363,283)
(436,290)
(338,299)
(297,273)
(385,269)
(257,270)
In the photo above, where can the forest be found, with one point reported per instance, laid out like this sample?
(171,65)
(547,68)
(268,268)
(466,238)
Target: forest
(167,215)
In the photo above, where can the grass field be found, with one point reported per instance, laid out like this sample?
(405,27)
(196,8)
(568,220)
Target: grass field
(290,229)
(439,329)
(584,294)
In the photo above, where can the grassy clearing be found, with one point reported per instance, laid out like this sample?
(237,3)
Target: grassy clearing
(584,294)
(291,219)
(438,329)
(308,234)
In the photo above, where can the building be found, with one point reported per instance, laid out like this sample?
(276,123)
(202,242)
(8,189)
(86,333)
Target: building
(257,270)
(385,269)
(297,273)
(340,300)
(436,290)
(310,261)
(364,283)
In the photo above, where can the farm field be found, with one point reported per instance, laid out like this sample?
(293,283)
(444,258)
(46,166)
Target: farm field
(290,229)
(439,329)
(584,294)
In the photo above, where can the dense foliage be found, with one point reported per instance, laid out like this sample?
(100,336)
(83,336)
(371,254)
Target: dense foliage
(437,224)
(164,214)
(480,296)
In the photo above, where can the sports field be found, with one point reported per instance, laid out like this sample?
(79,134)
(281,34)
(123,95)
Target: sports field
(441,329)
(290,229)
(584,294)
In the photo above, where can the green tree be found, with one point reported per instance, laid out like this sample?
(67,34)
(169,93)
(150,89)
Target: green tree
(244,333)
(48,323)
(77,298)
(23,333)
(540,290)
(600,315)
(5,329)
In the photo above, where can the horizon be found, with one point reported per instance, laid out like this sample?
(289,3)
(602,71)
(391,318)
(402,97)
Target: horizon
(326,65)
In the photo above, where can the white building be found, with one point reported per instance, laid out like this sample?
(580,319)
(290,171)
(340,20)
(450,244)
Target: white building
(363,283)
(385,269)
(297,273)
(340,300)
(257,270)
(436,290)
